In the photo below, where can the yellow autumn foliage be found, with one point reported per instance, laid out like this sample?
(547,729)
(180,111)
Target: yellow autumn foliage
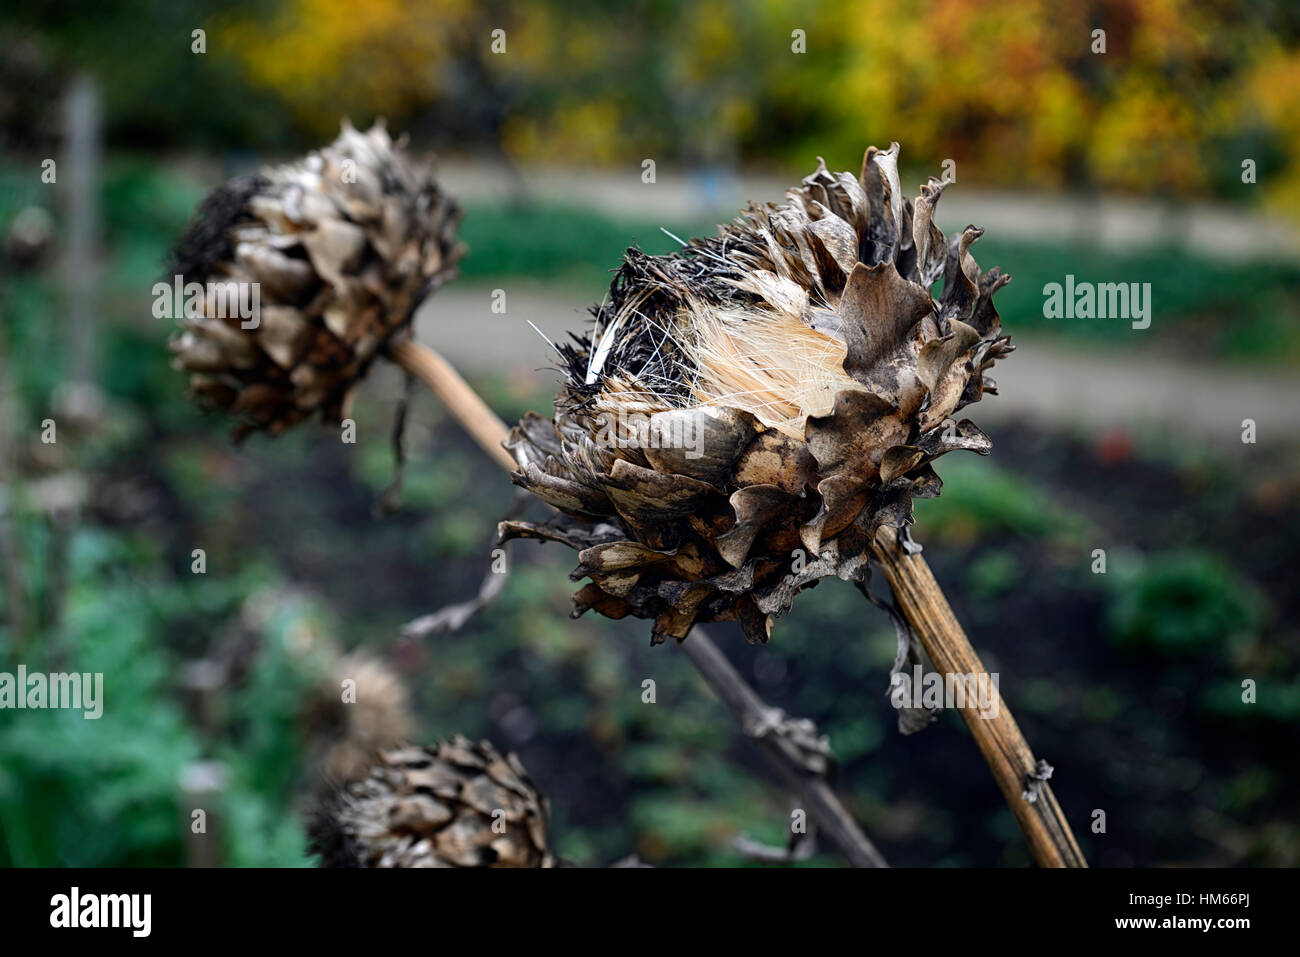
(1015,93)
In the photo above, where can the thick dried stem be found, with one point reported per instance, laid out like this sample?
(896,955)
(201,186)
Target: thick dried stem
(464,403)
(1018,774)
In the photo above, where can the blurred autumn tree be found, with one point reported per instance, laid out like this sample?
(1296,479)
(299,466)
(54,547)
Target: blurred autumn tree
(1013,92)
(158,92)
(1184,91)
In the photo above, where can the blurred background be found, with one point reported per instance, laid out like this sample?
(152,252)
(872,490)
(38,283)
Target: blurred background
(1171,158)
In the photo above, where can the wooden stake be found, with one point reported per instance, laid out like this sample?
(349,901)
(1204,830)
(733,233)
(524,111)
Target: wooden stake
(922,603)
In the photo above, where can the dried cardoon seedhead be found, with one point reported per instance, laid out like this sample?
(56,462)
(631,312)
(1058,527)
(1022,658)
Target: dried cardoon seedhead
(342,737)
(307,270)
(749,411)
(456,804)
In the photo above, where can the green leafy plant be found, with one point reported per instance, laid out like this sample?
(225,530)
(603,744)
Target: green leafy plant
(1181,602)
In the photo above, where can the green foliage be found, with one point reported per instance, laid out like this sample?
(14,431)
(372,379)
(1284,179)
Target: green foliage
(91,792)
(144,202)
(1276,699)
(992,574)
(980,499)
(1180,602)
(144,207)
(77,791)
(155,90)
(1190,295)
(547,241)
(267,709)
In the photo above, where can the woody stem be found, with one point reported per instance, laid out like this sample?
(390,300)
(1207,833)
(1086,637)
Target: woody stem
(824,807)
(995,731)
(465,405)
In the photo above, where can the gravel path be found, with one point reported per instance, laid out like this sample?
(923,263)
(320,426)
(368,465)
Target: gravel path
(1044,380)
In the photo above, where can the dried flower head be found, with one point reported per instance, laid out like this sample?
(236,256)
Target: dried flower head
(456,804)
(747,412)
(342,737)
(330,254)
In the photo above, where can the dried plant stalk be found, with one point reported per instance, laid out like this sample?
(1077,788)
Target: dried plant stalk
(798,374)
(922,603)
(454,392)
